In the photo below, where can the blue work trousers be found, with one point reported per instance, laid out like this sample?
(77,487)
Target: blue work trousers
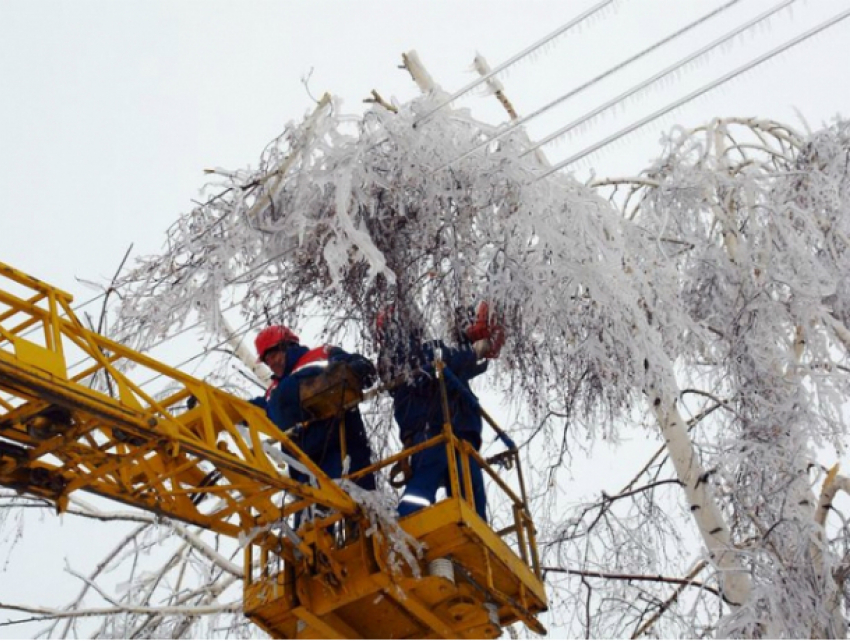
(431,472)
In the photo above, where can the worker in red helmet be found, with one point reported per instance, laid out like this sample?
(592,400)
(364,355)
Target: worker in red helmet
(271,343)
(291,364)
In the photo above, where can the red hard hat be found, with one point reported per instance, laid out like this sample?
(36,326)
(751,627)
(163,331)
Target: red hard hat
(272,336)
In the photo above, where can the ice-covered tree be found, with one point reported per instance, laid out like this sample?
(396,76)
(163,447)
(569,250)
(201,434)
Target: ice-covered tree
(352,217)
(707,306)
(754,216)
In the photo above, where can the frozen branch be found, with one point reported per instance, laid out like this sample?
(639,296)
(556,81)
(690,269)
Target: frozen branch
(193,611)
(686,582)
(205,550)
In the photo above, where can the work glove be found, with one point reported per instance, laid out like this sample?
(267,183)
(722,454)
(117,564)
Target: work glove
(476,323)
(364,370)
(482,348)
(487,332)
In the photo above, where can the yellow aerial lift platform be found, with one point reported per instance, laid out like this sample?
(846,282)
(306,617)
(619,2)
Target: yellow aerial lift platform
(92,426)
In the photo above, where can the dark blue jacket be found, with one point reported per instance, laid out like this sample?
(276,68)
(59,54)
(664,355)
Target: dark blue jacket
(418,406)
(319,440)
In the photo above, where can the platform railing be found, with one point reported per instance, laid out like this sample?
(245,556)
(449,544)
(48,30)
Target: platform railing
(518,533)
(520,525)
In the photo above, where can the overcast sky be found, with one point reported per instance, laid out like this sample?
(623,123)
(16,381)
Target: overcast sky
(110,111)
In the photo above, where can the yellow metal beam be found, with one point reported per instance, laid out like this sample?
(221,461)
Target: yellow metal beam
(328,626)
(133,448)
(59,434)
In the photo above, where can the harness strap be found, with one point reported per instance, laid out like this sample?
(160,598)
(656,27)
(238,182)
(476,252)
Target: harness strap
(316,357)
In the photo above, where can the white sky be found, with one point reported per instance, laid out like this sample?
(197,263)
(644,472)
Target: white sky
(109,112)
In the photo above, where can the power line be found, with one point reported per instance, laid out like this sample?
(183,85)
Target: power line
(661,74)
(573,92)
(519,56)
(695,94)
(589,150)
(162,341)
(581,18)
(235,280)
(231,281)
(239,277)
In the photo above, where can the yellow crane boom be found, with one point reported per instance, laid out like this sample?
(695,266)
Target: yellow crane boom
(92,426)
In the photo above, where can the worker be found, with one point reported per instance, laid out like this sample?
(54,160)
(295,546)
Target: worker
(418,406)
(292,364)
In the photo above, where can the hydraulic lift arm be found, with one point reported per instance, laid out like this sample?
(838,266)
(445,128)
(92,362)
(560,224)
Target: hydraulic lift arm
(93,426)
(58,433)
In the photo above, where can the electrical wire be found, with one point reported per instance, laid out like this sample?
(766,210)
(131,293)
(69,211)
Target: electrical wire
(235,279)
(549,138)
(658,76)
(695,94)
(525,119)
(605,74)
(162,341)
(181,331)
(581,18)
(514,59)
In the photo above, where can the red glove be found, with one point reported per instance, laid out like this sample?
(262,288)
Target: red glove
(487,327)
(479,327)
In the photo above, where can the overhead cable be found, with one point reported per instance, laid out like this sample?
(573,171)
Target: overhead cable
(461,92)
(522,54)
(661,74)
(161,341)
(573,92)
(695,94)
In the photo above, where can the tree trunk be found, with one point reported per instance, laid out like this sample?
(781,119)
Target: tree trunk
(734,578)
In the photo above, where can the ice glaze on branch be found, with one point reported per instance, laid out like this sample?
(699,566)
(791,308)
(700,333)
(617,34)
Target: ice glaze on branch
(727,274)
(357,221)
